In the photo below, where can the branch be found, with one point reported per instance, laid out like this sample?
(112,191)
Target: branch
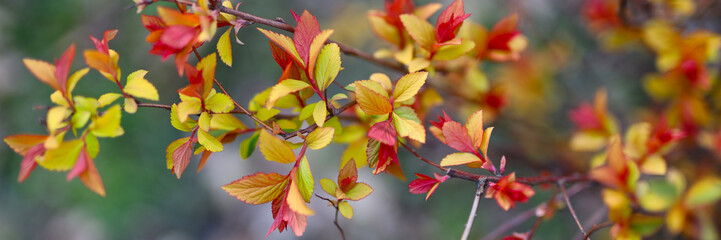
(474,209)
(561,184)
(548,206)
(335,221)
(596,228)
(314,126)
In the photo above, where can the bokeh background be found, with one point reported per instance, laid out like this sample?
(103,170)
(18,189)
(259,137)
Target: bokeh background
(145,201)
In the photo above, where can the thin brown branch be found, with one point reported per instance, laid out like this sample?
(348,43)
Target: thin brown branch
(520,218)
(335,221)
(596,228)
(561,184)
(474,209)
(155,105)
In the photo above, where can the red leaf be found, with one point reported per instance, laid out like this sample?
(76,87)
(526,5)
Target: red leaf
(62,67)
(348,176)
(426,184)
(387,155)
(178,36)
(306,29)
(442,120)
(280,56)
(181,157)
(29,163)
(80,166)
(450,21)
(152,23)
(457,137)
(383,132)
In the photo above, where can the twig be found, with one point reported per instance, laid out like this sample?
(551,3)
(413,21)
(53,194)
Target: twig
(474,209)
(550,204)
(561,184)
(520,218)
(596,228)
(335,221)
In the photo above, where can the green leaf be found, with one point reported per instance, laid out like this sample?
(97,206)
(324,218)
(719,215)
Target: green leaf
(656,195)
(328,186)
(305,179)
(92,145)
(327,66)
(247,146)
(359,191)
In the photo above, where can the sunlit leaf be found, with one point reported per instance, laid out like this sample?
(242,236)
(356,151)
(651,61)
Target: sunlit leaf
(370,99)
(420,30)
(138,86)
(284,88)
(305,179)
(258,188)
(63,157)
(319,138)
(705,191)
(460,158)
(327,66)
(209,142)
(408,86)
(108,125)
(345,209)
(225,49)
(275,149)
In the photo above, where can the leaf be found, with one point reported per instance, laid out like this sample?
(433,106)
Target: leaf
(207,65)
(359,191)
(295,199)
(345,209)
(460,158)
(90,177)
(383,132)
(656,195)
(247,146)
(188,106)
(108,125)
(306,112)
(305,179)
(42,70)
(92,145)
(108,98)
(186,126)
(408,86)
(409,128)
(645,225)
(209,142)
(320,138)
(171,149)
(328,186)
(225,49)
(418,64)
(588,141)
(258,188)
(219,103)
(75,78)
(420,30)
(130,105)
(486,140)
(226,122)
(705,191)
(56,118)
(305,31)
(63,157)
(138,86)
(181,157)
(284,88)
(275,149)
(370,100)
(474,124)
(450,52)
(315,49)
(383,29)
(285,43)
(204,121)
(327,66)
(320,113)
(457,137)
(21,143)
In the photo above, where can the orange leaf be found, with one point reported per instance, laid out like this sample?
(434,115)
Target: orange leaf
(43,71)
(371,101)
(258,188)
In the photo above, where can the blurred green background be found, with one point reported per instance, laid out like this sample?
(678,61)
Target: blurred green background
(145,201)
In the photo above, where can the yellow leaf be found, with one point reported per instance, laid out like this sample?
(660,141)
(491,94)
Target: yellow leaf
(138,86)
(186,126)
(209,142)
(108,125)
(450,52)
(226,122)
(359,191)
(486,140)
(705,191)
(204,121)
(345,209)
(383,79)
(320,138)
(56,118)
(319,113)
(408,86)
(676,218)
(654,165)
(460,158)
(357,152)
(58,98)
(74,78)
(617,202)
(284,42)
(258,188)
(130,105)
(409,128)
(370,99)
(474,124)
(425,11)
(207,65)
(284,88)
(663,38)
(296,202)
(384,30)
(314,50)
(43,71)
(63,157)
(219,103)
(327,66)
(225,49)
(328,186)
(636,137)
(418,64)
(588,141)
(420,30)
(275,149)
(304,179)
(108,98)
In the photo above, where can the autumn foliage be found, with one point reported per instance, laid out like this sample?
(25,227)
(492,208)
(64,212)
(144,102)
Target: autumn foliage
(636,167)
